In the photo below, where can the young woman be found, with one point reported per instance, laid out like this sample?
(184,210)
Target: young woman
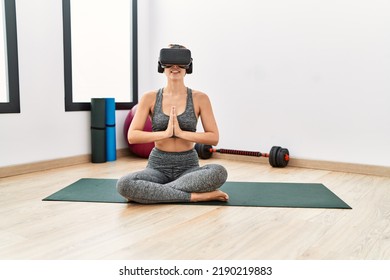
(173,173)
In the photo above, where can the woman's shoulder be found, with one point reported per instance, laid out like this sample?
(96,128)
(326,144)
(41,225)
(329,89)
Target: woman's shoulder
(150,94)
(148,98)
(200,96)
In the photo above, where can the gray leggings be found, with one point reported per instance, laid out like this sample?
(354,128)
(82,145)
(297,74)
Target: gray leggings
(171,177)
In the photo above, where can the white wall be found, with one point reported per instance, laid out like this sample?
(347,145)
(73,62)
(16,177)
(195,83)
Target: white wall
(43,130)
(312,76)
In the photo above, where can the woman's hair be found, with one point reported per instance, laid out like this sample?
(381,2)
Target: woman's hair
(176,46)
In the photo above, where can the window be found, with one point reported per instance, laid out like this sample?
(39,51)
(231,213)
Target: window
(100,52)
(9,71)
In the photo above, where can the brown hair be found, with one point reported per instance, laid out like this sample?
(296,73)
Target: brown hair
(176,46)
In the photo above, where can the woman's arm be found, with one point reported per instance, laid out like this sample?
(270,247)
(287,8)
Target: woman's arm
(210,136)
(136,134)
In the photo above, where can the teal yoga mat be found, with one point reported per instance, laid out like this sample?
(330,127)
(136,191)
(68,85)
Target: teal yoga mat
(254,194)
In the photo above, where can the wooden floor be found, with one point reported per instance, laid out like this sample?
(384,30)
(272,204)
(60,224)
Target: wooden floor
(33,229)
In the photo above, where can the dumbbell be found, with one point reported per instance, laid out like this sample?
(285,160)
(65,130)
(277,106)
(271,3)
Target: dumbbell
(278,156)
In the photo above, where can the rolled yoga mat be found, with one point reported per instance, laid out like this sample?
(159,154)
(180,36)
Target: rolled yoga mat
(110,130)
(254,194)
(98,130)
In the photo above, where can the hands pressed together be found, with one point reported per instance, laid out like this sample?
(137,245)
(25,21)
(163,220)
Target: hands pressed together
(173,129)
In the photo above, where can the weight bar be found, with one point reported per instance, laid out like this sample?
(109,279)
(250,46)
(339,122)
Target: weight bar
(278,156)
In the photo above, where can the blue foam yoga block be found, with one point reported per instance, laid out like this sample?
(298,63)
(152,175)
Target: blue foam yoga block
(110,111)
(110,130)
(110,143)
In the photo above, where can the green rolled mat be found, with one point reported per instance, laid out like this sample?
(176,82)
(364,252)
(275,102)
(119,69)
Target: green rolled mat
(98,130)
(98,113)
(98,145)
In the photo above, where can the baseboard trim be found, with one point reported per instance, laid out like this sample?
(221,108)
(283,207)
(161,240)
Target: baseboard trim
(374,170)
(20,169)
(364,169)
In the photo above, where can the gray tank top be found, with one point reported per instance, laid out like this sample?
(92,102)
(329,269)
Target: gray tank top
(187,120)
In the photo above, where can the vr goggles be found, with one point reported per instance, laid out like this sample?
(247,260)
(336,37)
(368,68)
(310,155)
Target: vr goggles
(174,56)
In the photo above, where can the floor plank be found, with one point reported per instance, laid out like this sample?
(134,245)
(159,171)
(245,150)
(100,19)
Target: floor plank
(34,229)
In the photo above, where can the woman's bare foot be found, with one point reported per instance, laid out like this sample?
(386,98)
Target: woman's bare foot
(208,196)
